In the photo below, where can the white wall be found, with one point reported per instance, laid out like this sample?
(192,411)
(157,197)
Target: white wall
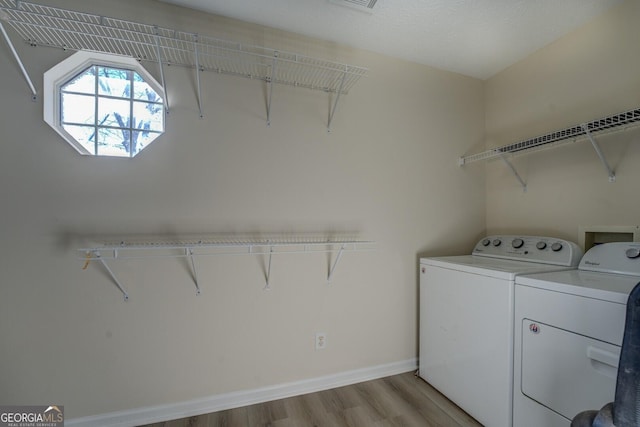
(387,171)
(591,73)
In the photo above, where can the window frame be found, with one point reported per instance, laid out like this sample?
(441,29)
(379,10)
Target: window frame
(65,71)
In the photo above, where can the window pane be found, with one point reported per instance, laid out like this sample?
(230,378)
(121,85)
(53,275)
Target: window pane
(108,108)
(114,112)
(114,82)
(113,142)
(78,109)
(142,90)
(84,82)
(148,116)
(85,135)
(142,139)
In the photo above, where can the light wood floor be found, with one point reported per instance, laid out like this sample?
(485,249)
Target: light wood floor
(399,400)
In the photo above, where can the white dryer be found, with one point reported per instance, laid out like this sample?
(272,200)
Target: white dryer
(466,319)
(569,329)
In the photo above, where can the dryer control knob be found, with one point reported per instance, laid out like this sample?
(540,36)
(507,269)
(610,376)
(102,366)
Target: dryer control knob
(633,253)
(486,242)
(556,246)
(541,245)
(497,242)
(517,243)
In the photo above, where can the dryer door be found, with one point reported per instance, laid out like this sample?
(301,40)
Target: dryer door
(566,372)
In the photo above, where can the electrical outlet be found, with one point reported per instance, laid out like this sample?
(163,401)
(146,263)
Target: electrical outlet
(321,340)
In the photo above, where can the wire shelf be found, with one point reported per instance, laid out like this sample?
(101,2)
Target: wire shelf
(191,249)
(127,249)
(613,123)
(41,25)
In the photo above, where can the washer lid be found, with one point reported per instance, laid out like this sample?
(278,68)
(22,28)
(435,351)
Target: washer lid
(590,284)
(490,267)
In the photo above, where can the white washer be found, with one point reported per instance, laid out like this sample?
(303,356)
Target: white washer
(466,319)
(569,329)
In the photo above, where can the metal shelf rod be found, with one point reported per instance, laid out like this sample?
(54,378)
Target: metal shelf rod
(268,286)
(603,160)
(161,66)
(195,271)
(19,61)
(514,172)
(335,104)
(195,49)
(271,80)
(335,264)
(113,276)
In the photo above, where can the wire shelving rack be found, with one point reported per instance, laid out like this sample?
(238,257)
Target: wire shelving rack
(585,131)
(193,249)
(40,25)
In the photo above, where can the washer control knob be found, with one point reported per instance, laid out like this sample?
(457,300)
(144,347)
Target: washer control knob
(486,242)
(556,247)
(541,245)
(633,253)
(517,243)
(497,242)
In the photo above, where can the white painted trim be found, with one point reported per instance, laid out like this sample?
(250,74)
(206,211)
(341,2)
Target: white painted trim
(219,402)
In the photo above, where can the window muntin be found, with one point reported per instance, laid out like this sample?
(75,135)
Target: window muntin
(111,111)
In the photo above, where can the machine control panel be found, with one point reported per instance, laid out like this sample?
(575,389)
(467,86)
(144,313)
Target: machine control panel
(546,250)
(616,257)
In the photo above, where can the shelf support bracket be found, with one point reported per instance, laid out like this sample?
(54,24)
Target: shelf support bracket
(335,263)
(514,172)
(164,84)
(596,147)
(34,93)
(267,286)
(195,271)
(113,276)
(273,77)
(335,103)
(197,57)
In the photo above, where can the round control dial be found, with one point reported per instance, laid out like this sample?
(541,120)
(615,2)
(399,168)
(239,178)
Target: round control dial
(486,242)
(497,242)
(541,245)
(517,243)
(632,253)
(556,246)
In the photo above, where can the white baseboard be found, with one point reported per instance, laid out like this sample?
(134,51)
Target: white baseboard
(221,402)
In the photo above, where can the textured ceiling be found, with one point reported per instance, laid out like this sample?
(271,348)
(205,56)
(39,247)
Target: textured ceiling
(477,38)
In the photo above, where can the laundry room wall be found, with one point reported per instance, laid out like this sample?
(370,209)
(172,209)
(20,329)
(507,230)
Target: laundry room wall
(588,74)
(387,172)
